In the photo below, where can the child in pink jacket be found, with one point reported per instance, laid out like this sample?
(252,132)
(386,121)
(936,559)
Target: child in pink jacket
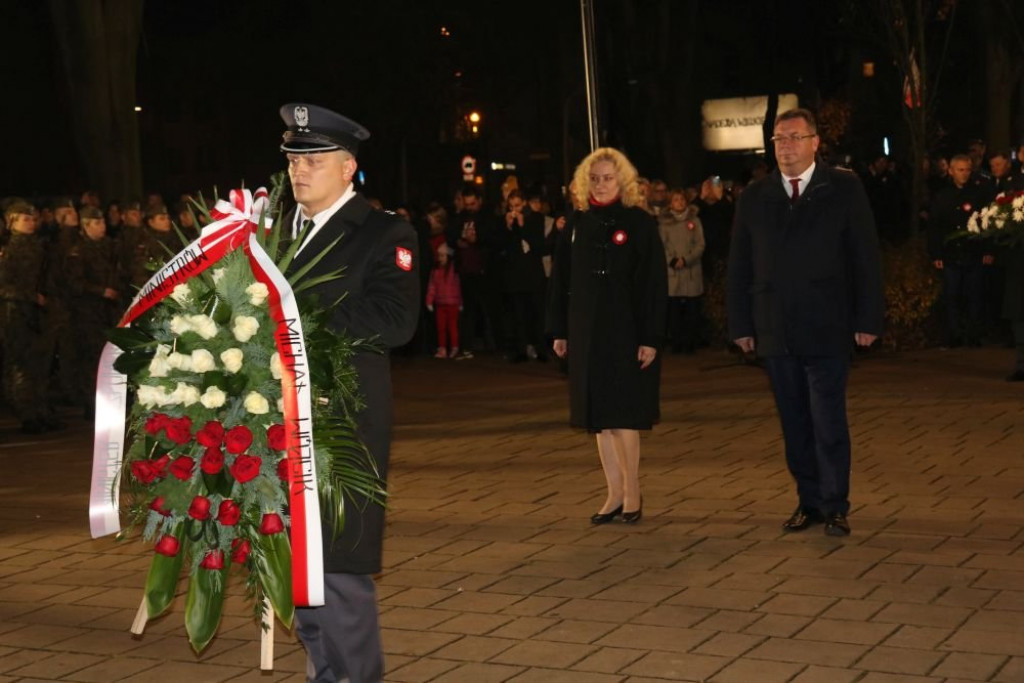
(444,299)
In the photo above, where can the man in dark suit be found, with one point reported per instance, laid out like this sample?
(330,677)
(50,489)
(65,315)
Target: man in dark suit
(804,284)
(381,301)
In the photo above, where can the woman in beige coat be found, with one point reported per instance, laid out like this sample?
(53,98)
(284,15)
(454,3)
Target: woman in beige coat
(683,237)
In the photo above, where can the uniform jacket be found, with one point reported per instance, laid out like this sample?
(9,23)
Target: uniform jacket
(23,268)
(683,237)
(381,301)
(803,278)
(443,288)
(608,298)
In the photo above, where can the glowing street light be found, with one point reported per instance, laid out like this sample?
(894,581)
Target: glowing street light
(474,117)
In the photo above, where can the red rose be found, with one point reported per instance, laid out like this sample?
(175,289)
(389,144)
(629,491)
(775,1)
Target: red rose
(181,468)
(158,506)
(245,468)
(160,465)
(167,545)
(180,431)
(238,439)
(211,435)
(240,550)
(143,471)
(229,513)
(200,508)
(282,470)
(156,424)
(275,437)
(271,524)
(212,461)
(213,560)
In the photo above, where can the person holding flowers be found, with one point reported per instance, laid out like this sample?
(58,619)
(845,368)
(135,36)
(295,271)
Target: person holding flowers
(377,299)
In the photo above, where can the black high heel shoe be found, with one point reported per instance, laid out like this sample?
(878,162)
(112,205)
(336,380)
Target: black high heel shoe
(605,517)
(633,517)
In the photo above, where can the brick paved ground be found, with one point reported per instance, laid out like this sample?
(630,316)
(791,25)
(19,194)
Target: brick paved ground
(494,574)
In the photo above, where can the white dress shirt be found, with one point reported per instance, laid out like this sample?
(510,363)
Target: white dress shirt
(804,177)
(321,218)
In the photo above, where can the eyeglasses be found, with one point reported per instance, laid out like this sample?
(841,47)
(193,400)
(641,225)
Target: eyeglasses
(794,138)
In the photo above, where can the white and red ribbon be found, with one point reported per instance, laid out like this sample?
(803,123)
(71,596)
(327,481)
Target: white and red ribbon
(235,226)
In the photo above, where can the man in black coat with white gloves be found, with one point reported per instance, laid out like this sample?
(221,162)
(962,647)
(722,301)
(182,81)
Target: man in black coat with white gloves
(804,285)
(381,300)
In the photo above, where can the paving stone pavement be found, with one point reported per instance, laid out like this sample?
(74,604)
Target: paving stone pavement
(493,572)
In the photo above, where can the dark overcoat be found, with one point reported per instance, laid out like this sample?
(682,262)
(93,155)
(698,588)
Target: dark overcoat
(608,298)
(382,300)
(804,277)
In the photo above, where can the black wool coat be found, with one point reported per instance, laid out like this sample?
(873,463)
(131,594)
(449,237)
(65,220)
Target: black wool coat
(382,300)
(804,277)
(608,298)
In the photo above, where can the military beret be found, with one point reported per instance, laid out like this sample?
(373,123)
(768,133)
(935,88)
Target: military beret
(155,210)
(132,205)
(62,203)
(90,213)
(315,129)
(19,206)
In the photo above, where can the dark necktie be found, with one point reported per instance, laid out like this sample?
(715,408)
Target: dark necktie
(795,182)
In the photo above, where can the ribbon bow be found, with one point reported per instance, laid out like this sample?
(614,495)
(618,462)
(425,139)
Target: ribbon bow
(235,219)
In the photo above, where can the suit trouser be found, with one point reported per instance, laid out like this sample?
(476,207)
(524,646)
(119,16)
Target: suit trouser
(810,394)
(342,638)
(964,288)
(1018,342)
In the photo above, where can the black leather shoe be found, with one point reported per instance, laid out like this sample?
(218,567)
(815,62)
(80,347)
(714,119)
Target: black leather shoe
(634,517)
(1017,376)
(836,525)
(605,517)
(802,519)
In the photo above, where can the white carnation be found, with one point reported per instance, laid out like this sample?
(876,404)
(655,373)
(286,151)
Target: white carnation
(275,365)
(152,396)
(256,403)
(182,294)
(280,405)
(1018,215)
(213,397)
(203,326)
(180,361)
(232,359)
(1018,202)
(179,325)
(202,361)
(257,292)
(159,367)
(245,327)
(972,224)
(1000,223)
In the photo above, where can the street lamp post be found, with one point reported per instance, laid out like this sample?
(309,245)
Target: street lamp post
(589,69)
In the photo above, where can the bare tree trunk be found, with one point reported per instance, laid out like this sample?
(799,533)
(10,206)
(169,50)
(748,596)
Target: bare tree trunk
(99,42)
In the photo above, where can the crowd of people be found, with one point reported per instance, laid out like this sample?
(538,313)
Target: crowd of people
(485,267)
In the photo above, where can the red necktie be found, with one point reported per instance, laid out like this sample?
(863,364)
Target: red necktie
(795,182)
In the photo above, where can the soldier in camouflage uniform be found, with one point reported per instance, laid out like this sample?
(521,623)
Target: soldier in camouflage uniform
(59,338)
(89,264)
(22,303)
(144,249)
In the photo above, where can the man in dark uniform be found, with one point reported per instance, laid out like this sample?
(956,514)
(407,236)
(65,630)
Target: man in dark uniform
(90,270)
(23,265)
(805,282)
(144,248)
(961,261)
(381,301)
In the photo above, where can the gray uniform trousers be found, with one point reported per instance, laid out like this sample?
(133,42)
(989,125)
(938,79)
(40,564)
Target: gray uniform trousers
(342,638)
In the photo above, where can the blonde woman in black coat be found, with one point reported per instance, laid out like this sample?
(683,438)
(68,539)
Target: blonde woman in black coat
(607,315)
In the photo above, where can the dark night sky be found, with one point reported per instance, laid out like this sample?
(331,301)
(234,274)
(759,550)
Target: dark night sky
(211,76)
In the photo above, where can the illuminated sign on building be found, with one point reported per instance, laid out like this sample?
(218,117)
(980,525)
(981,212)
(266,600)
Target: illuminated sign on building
(736,123)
